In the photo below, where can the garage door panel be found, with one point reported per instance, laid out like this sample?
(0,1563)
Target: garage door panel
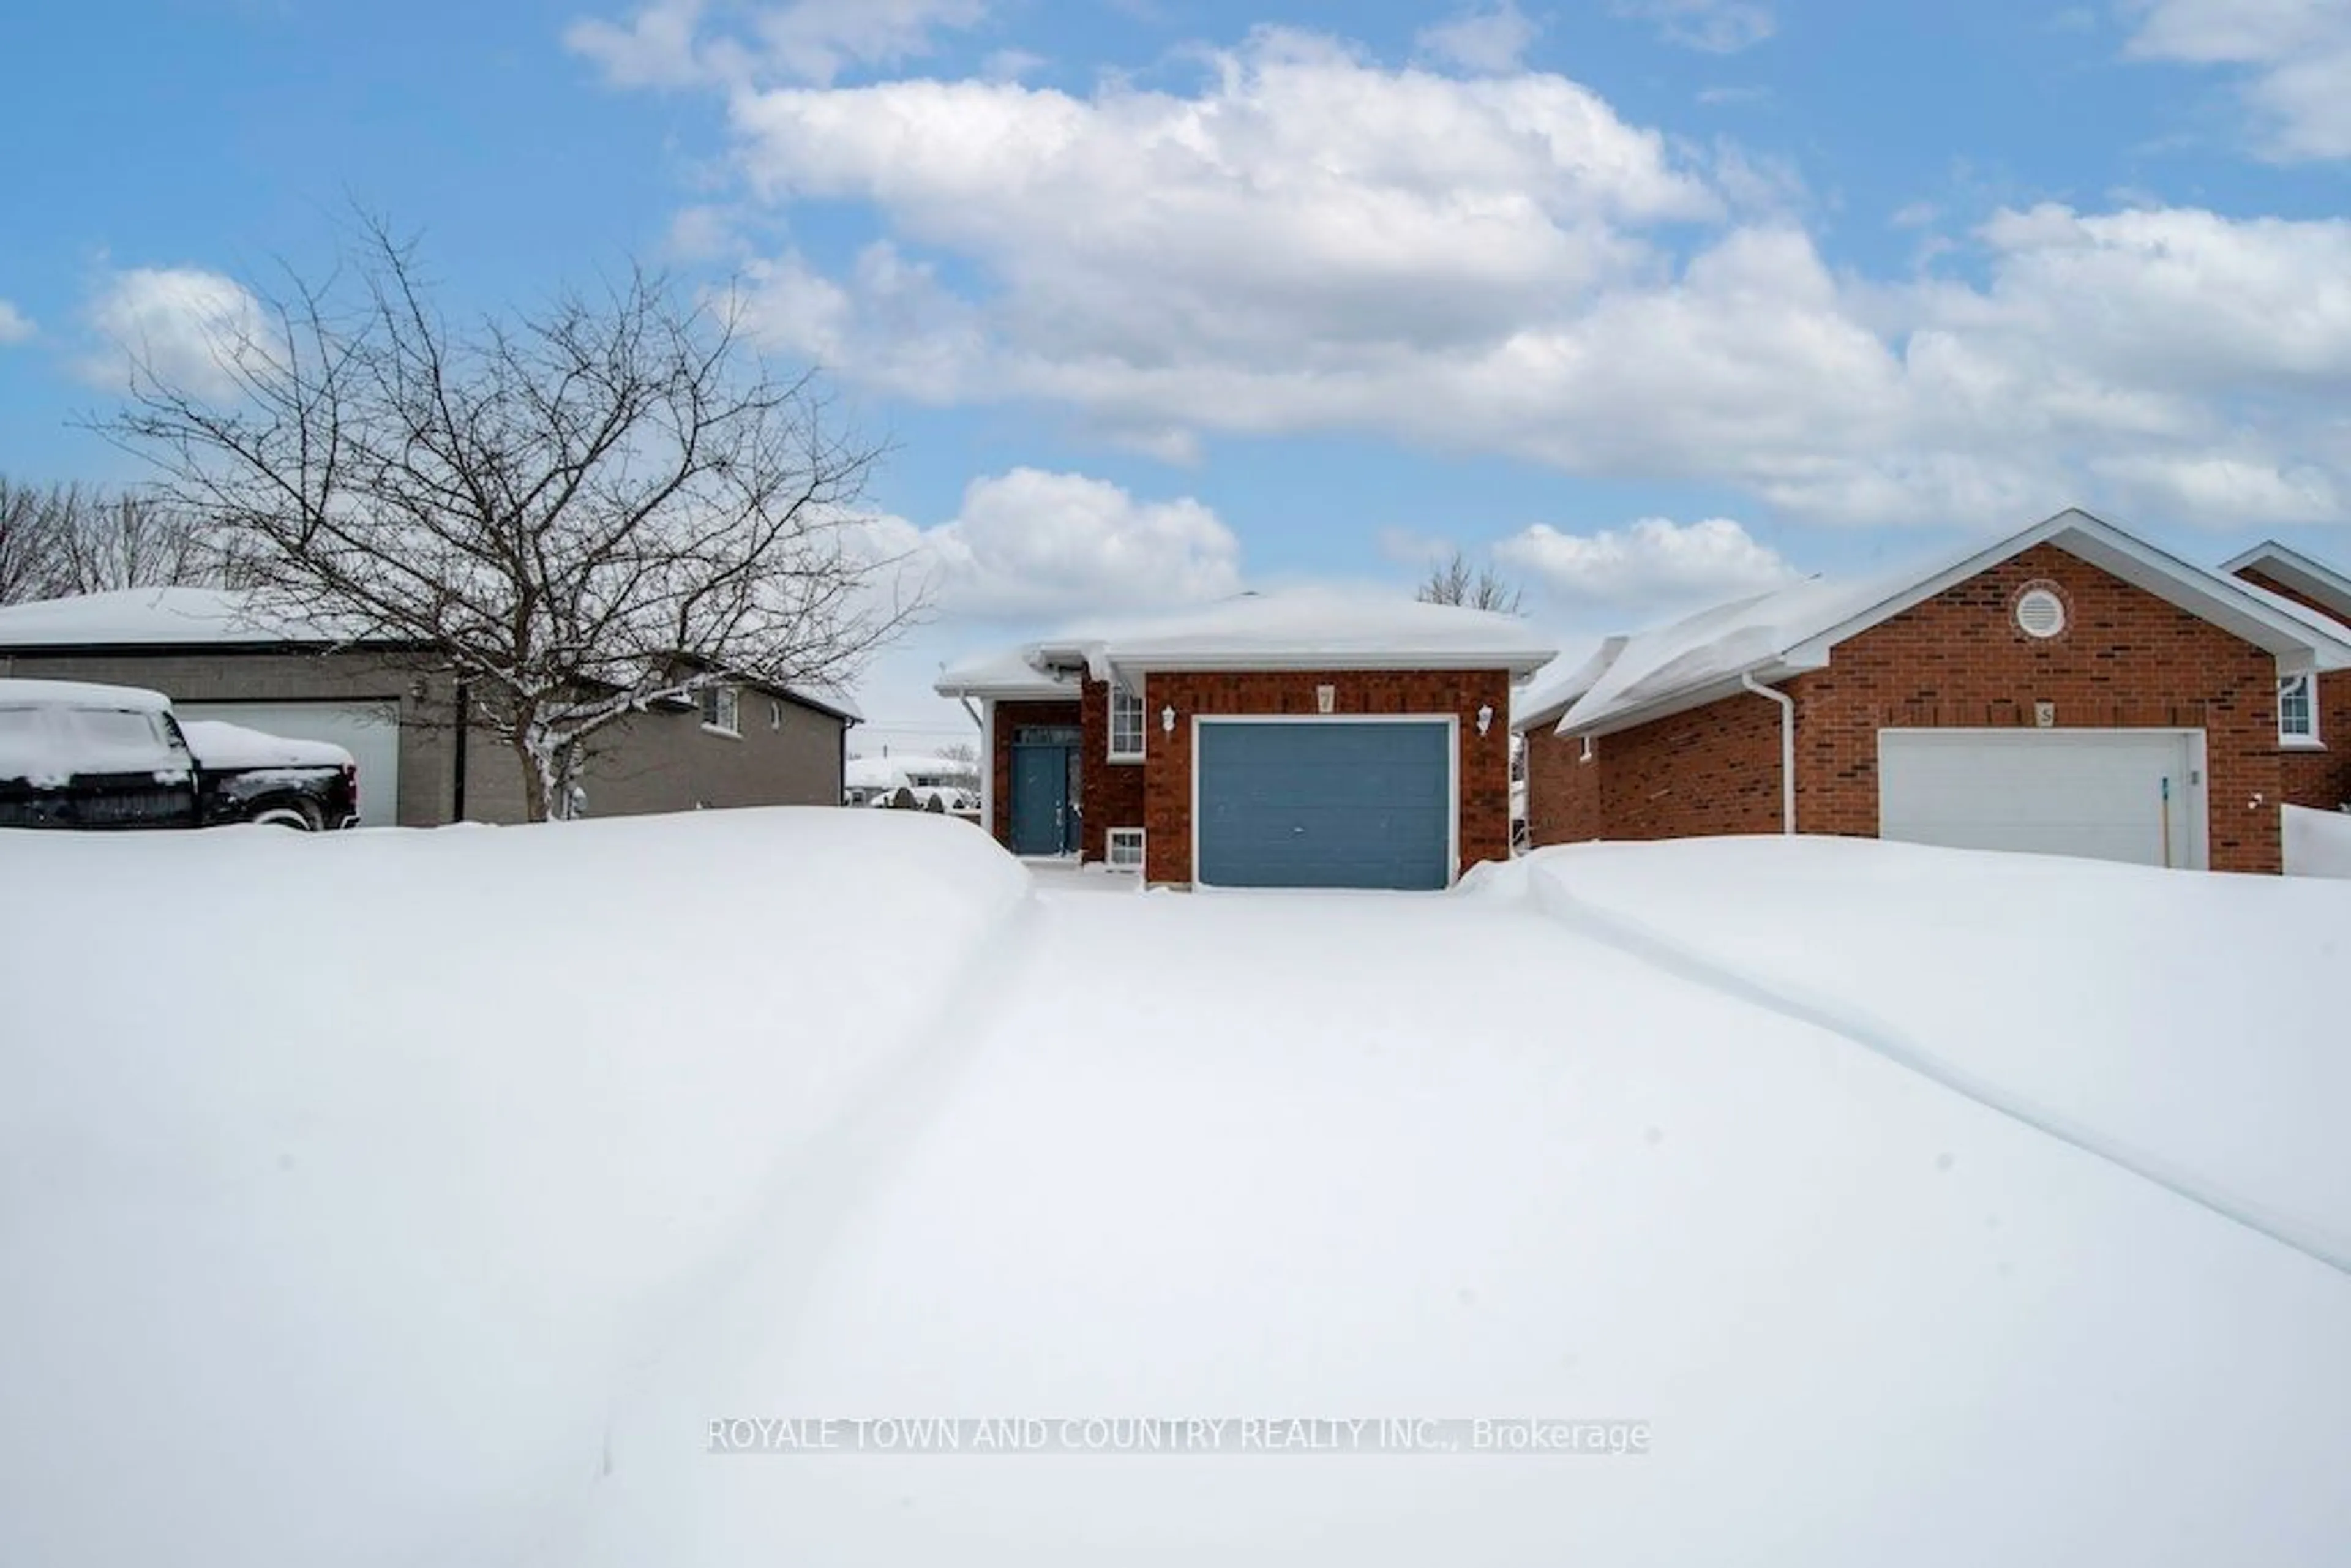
(2119,795)
(369,730)
(1325,804)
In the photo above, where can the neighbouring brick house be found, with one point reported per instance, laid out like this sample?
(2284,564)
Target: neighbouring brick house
(2071,689)
(2315,710)
(1299,739)
(394,710)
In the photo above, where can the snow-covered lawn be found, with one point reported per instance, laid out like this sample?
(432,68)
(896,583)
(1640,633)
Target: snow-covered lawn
(429,1195)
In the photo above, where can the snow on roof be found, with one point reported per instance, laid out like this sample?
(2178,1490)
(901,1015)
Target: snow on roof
(1778,633)
(80,694)
(1303,628)
(1559,682)
(839,703)
(1006,672)
(158,616)
(893,772)
(1718,644)
(218,744)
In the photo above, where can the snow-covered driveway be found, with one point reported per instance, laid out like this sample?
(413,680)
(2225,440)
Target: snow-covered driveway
(1397,1156)
(449,1241)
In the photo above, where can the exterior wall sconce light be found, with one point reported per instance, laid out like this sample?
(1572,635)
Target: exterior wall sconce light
(1485,718)
(1167,719)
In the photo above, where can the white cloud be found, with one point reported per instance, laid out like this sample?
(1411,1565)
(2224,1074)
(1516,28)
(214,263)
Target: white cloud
(1030,543)
(1494,40)
(1650,563)
(665,43)
(656,47)
(1715,26)
(16,327)
(181,326)
(1305,240)
(2294,56)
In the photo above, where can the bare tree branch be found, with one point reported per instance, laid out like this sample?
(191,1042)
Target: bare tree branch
(582,510)
(66,538)
(1454,582)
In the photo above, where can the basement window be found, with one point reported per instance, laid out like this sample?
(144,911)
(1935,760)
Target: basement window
(1124,849)
(722,709)
(1126,724)
(2298,710)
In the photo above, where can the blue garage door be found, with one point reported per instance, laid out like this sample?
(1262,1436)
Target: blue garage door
(1325,804)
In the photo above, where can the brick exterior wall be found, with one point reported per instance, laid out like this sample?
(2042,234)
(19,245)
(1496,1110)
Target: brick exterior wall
(2317,778)
(1562,789)
(2127,659)
(1483,763)
(1114,791)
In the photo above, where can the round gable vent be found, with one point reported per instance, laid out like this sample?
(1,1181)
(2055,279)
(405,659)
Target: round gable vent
(2040,613)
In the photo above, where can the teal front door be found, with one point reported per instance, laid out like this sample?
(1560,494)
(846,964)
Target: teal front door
(1042,823)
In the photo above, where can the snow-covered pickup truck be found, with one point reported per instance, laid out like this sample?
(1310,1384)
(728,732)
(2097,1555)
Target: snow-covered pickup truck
(78,754)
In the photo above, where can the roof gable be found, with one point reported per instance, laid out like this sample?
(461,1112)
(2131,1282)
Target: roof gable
(2312,579)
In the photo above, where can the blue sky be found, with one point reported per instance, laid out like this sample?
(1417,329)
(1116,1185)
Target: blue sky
(1649,301)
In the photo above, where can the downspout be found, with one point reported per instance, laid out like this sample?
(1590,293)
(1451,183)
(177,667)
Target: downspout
(1787,748)
(458,766)
(841,765)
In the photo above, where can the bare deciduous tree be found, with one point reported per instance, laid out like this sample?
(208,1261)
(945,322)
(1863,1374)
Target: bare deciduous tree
(29,542)
(966,756)
(582,510)
(131,539)
(65,538)
(1455,582)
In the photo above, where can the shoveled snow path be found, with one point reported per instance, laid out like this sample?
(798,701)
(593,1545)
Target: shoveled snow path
(1335,1155)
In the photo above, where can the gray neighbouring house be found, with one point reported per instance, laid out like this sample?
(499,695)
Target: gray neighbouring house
(214,657)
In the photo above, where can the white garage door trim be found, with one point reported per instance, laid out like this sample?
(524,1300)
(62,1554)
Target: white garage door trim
(367,727)
(1900,750)
(1451,721)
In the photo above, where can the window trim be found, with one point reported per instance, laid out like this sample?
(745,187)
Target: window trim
(1112,753)
(719,698)
(2307,740)
(1141,838)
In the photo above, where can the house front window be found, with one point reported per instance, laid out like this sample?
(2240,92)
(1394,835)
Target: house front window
(1126,724)
(722,709)
(2298,710)
(1124,849)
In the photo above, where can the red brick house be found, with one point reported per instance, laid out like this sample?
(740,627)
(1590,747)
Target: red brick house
(2070,690)
(1299,739)
(2313,710)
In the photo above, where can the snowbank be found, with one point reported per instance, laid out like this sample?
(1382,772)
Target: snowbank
(2317,843)
(345,1183)
(2136,1012)
(429,1198)
(1256,1157)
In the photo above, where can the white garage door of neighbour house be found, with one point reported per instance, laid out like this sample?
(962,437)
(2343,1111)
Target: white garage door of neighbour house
(2135,795)
(369,731)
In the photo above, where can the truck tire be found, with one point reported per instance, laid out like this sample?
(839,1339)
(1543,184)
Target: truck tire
(299,815)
